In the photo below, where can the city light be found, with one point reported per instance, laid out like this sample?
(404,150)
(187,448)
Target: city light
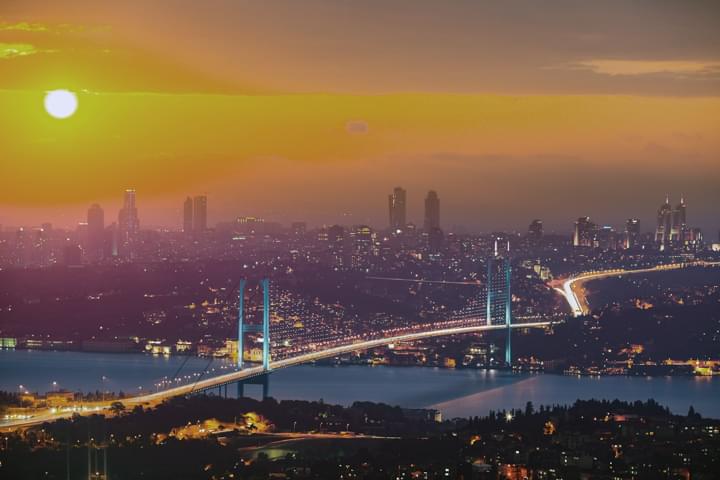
(404,240)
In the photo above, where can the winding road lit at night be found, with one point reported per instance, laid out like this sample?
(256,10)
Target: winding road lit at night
(574,293)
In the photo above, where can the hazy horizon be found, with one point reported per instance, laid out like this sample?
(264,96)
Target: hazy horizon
(312,110)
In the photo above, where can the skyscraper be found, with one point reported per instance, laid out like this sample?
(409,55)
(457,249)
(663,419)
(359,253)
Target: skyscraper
(584,235)
(362,246)
(397,206)
(535,230)
(95,231)
(664,224)
(199,221)
(679,225)
(336,245)
(671,224)
(188,215)
(128,224)
(606,238)
(632,233)
(432,211)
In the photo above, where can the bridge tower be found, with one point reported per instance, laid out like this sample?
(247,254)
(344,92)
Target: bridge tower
(508,312)
(263,328)
(498,290)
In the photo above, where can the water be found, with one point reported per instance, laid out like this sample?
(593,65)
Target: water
(457,393)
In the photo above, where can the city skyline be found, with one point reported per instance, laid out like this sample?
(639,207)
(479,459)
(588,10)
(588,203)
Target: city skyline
(195,207)
(193,216)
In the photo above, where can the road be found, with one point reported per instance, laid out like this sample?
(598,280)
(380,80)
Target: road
(574,293)
(246,373)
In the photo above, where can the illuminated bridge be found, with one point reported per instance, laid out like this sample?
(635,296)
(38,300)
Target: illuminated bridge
(283,328)
(293,331)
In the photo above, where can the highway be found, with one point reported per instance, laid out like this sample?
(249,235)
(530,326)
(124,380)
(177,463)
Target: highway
(574,293)
(246,373)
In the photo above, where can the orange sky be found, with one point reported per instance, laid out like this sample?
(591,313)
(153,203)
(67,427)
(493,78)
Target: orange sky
(315,110)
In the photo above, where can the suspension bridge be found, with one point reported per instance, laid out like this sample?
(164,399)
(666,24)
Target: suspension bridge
(489,309)
(293,331)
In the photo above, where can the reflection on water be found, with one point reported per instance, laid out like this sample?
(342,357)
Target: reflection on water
(454,392)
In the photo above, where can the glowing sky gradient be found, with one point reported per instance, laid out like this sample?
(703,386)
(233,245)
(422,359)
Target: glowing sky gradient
(316,109)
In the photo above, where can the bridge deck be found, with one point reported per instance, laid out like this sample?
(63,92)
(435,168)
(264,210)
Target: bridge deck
(244,374)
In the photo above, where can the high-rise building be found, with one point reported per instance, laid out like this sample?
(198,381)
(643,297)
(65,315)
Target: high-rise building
(693,239)
(362,246)
(397,206)
(606,238)
(187,215)
(671,224)
(632,233)
(535,230)
(584,235)
(432,211)
(32,246)
(200,213)
(336,245)
(112,246)
(95,232)
(664,224)
(679,225)
(128,224)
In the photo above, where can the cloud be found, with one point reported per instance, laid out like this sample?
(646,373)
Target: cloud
(650,67)
(404,46)
(357,127)
(23,27)
(14,50)
(35,27)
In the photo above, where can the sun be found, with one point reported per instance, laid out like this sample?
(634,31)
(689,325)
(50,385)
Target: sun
(60,103)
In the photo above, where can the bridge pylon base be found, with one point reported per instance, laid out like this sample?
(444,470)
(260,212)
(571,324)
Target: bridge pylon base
(263,380)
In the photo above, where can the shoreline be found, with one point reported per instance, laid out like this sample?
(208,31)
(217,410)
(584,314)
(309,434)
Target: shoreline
(574,371)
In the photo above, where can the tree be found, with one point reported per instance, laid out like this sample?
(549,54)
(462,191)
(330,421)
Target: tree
(692,414)
(117,408)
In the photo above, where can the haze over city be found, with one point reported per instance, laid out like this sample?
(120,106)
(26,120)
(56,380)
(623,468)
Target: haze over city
(372,240)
